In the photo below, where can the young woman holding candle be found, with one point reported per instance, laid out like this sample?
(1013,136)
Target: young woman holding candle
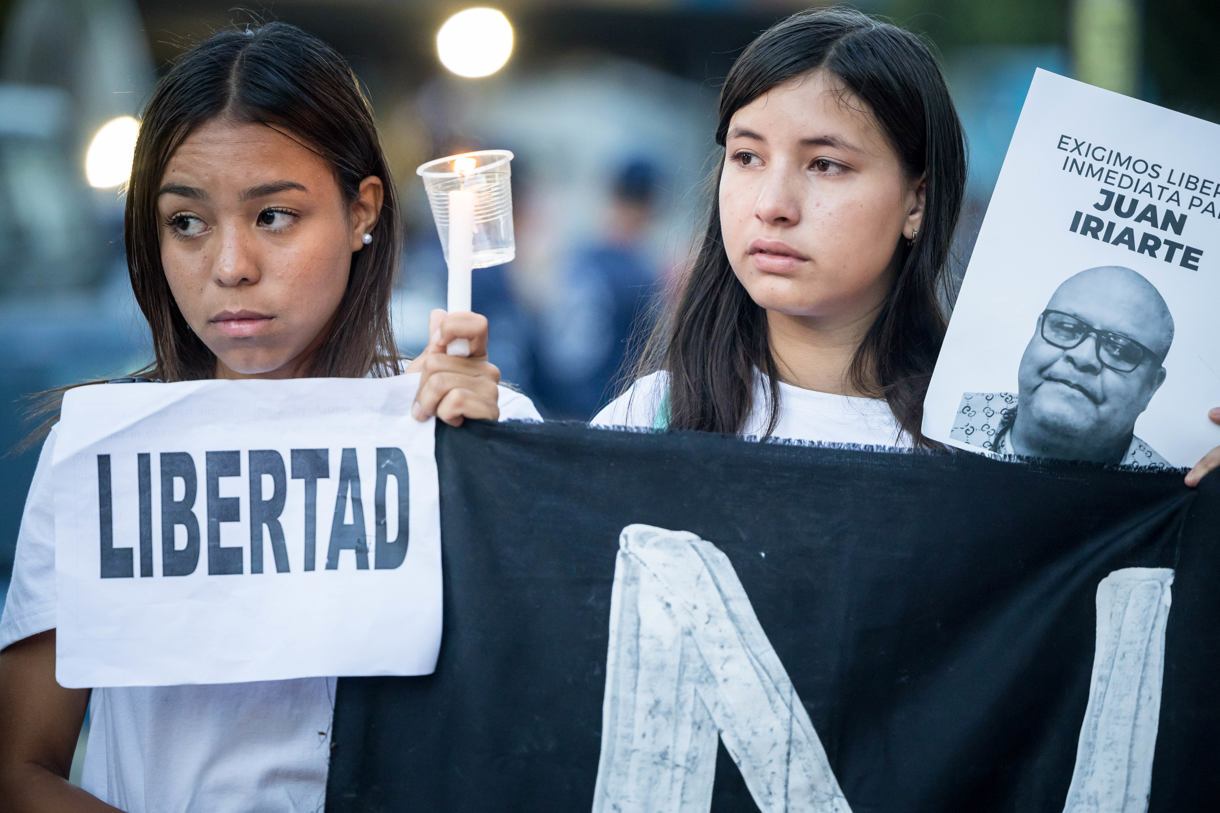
(813,308)
(262,236)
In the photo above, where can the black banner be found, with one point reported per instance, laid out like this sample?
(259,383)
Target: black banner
(937,615)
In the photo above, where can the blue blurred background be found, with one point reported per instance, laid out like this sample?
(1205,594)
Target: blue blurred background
(608,106)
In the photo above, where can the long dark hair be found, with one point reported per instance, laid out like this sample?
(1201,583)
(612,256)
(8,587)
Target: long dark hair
(716,336)
(280,76)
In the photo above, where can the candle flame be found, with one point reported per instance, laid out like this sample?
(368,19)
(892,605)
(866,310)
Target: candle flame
(465,164)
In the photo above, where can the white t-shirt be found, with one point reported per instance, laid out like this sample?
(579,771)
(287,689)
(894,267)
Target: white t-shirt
(261,746)
(803,414)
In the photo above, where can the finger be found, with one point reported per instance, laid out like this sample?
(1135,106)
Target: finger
(1209,462)
(442,374)
(465,325)
(433,394)
(435,318)
(459,404)
(438,364)
(453,398)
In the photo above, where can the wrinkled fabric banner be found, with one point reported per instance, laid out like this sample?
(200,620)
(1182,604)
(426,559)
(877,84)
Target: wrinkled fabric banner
(681,621)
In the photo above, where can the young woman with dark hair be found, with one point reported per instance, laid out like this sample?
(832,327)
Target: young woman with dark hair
(262,239)
(295,86)
(822,269)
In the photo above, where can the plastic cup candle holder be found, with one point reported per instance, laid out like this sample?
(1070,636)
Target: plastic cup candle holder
(471,199)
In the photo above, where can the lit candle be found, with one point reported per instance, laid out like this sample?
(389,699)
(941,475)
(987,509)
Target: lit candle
(461,250)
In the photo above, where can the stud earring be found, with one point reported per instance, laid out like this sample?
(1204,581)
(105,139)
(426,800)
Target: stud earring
(367,239)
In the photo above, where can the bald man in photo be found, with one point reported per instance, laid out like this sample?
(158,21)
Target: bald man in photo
(1094,362)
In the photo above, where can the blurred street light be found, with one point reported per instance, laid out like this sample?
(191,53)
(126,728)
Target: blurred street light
(108,161)
(475,43)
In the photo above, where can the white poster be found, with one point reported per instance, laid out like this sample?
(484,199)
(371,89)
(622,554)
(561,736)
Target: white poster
(228,531)
(1084,328)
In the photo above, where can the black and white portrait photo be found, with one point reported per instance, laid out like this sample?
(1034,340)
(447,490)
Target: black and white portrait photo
(1090,369)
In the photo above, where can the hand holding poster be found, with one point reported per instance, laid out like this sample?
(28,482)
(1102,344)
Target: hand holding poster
(301,540)
(1083,326)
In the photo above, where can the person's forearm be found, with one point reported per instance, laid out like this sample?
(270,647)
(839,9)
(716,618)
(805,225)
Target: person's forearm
(40,725)
(32,788)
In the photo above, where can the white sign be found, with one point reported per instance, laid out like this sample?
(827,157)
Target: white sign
(1092,180)
(229,531)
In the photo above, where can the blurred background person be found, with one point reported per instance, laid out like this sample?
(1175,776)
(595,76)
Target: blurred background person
(499,292)
(604,291)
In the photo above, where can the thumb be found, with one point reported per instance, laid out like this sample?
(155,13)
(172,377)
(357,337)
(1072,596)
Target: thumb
(435,317)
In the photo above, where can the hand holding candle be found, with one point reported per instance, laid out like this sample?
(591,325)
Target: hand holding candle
(471,200)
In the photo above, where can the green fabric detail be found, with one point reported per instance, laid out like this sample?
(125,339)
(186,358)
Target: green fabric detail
(661,419)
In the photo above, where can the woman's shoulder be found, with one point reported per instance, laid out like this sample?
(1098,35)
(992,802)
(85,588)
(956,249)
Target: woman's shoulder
(638,406)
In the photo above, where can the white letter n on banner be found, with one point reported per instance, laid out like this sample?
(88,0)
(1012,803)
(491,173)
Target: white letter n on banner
(1113,771)
(688,662)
